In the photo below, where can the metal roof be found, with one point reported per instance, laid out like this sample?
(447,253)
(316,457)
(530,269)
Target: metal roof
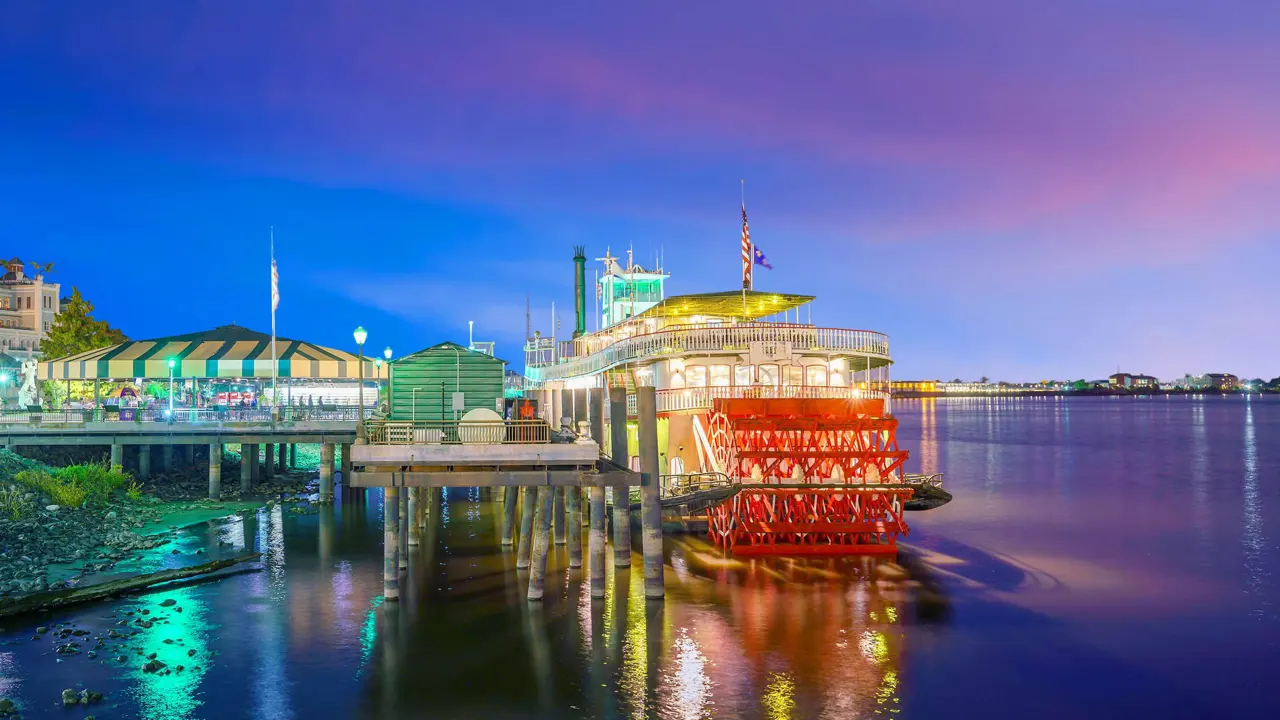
(726,304)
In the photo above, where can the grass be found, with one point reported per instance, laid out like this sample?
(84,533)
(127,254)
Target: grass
(13,503)
(76,485)
(133,490)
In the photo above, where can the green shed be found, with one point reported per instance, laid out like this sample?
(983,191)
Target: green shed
(423,384)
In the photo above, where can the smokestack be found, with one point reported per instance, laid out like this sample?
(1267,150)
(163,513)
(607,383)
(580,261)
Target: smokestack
(580,291)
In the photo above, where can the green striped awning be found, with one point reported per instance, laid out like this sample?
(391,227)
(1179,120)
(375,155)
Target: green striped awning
(229,351)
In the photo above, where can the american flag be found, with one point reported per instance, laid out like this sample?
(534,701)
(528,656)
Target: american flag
(746,252)
(275,286)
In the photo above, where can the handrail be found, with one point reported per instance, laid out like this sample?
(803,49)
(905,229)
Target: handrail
(931,479)
(683,484)
(713,339)
(184,416)
(445,432)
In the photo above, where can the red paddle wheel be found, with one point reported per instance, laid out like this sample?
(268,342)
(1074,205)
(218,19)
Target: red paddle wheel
(819,477)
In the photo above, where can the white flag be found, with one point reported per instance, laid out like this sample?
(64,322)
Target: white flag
(275,286)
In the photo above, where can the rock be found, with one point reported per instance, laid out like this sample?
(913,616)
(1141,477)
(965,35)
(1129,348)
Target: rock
(53,508)
(111,515)
(121,658)
(88,697)
(153,666)
(179,668)
(69,697)
(171,602)
(191,653)
(7,707)
(91,654)
(42,630)
(152,656)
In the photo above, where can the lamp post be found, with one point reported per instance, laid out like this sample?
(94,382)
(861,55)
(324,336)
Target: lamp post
(360,335)
(171,364)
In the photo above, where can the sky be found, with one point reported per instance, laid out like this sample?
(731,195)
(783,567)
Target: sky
(1021,190)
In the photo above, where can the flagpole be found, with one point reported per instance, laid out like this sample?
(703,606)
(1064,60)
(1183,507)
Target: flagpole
(274,394)
(746,270)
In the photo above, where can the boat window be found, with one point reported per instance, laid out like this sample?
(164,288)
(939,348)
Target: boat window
(815,375)
(695,376)
(794,375)
(742,375)
(720,375)
(768,374)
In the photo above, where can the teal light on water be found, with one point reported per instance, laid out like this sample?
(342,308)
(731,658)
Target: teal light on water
(369,634)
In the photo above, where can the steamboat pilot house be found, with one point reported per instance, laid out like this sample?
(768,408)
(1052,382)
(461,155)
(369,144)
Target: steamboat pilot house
(733,371)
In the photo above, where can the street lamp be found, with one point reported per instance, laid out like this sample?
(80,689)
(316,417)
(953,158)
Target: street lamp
(360,335)
(172,362)
(387,354)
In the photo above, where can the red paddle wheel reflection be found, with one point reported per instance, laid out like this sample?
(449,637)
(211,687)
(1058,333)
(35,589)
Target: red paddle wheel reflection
(819,477)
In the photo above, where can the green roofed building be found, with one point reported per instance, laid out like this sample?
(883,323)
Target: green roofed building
(423,384)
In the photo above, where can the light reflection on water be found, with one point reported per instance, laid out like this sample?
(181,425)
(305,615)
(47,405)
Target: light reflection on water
(1095,540)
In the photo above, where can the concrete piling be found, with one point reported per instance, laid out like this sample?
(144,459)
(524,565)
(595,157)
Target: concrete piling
(523,550)
(415,530)
(572,499)
(390,540)
(250,452)
(595,542)
(595,408)
(509,501)
(144,462)
(166,458)
(293,455)
(326,473)
(580,397)
(269,461)
(215,471)
(650,502)
(541,543)
(246,469)
(404,528)
(346,465)
(117,454)
(560,515)
(621,495)
(284,467)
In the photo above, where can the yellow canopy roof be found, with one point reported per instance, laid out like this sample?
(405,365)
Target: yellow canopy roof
(726,304)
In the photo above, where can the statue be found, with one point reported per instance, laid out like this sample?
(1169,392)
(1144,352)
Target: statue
(27,394)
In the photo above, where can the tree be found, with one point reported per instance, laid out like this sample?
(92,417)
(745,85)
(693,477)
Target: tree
(74,330)
(985,380)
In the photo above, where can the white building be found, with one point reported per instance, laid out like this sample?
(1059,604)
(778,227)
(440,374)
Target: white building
(27,308)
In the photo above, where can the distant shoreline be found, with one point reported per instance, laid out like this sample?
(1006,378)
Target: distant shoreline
(914,394)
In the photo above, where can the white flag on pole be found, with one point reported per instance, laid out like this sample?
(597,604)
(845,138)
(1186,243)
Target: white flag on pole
(275,286)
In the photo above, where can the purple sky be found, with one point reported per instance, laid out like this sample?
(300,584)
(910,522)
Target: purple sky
(1019,189)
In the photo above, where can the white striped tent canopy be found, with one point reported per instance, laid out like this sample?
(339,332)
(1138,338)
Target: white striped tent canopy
(229,351)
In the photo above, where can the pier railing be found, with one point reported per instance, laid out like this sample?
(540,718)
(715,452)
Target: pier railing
(727,338)
(184,416)
(443,432)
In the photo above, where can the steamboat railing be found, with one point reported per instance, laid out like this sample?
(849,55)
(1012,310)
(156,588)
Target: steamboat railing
(702,398)
(728,338)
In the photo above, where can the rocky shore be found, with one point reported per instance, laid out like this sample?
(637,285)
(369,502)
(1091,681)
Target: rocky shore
(44,546)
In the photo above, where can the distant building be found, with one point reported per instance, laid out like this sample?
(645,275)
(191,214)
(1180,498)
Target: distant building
(28,306)
(1128,381)
(1222,381)
(910,386)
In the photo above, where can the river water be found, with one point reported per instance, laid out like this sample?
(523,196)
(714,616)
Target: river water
(1104,557)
